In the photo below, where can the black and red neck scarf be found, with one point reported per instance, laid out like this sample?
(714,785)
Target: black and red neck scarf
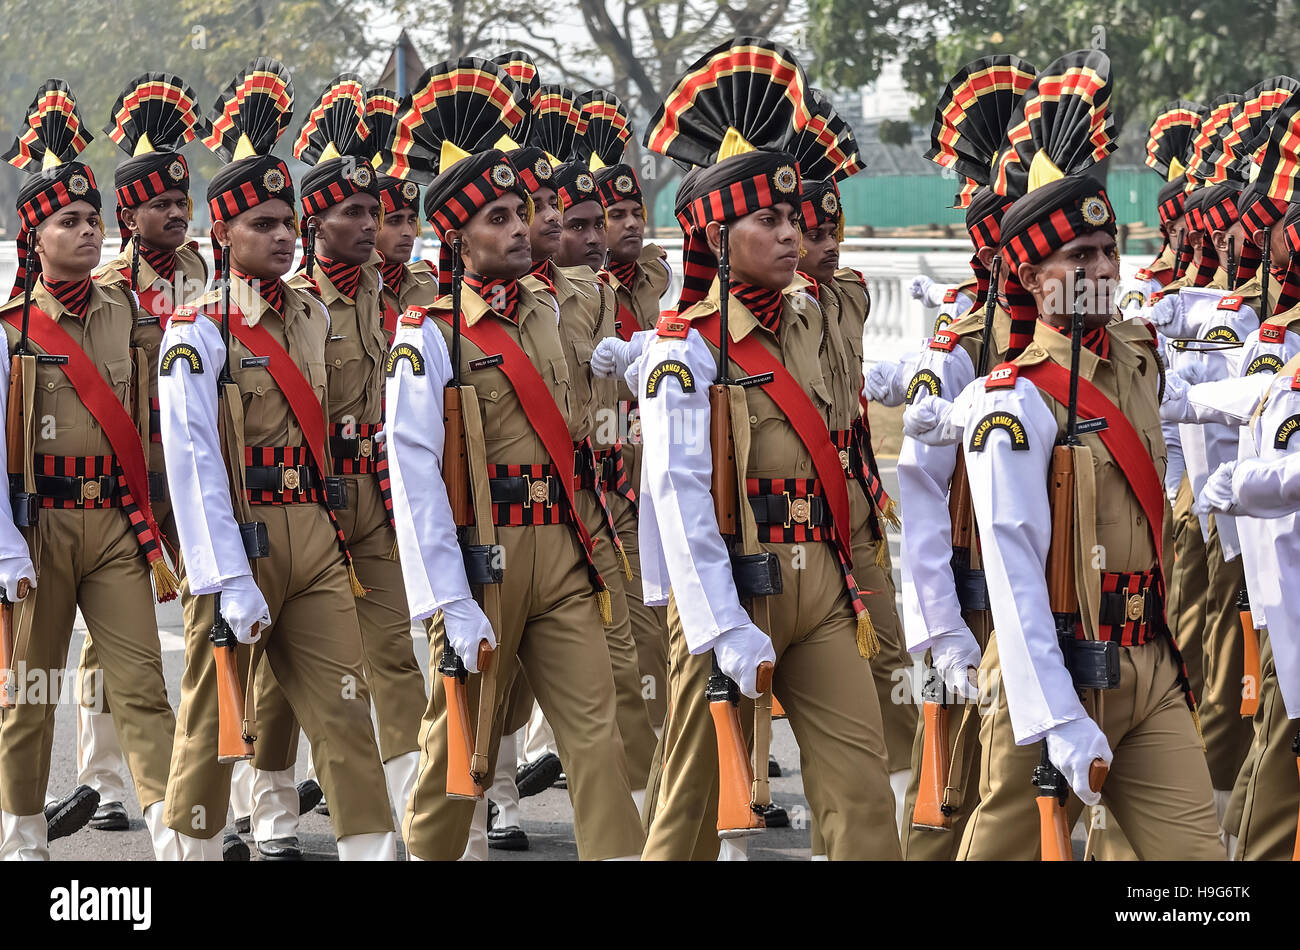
(345,277)
(394,272)
(272,291)
(501,295)
(763,303)
(73,294)
(624,273)
(162,262)
(1097,340)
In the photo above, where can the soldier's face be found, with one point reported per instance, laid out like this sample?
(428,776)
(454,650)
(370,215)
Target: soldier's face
(1053,286)
(821,253)
(69,242)
(764,246)
(396,238)
(162,221)
(583,240)
(262,240)
(495,241)
(546,230)
(625,230)
(346,232)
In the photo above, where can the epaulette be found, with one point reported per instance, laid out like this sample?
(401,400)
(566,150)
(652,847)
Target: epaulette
(944,340)
(1143,274)
(1271,333)
(805,283)
(109,275)
(1295,382)
(1158,295)
(192,245)
(672,325)
(414,316)
(1003,376)
(1231,302)
(950,295)
(184,315)
(546,282)
(850,273)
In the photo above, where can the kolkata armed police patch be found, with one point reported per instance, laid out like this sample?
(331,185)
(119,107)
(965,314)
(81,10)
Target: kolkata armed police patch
(186,354)
(1132,297)
(926,378)
(404,351)
(674,369)
(1009,422)
(1227,334)
(1264,363)
(1285,431)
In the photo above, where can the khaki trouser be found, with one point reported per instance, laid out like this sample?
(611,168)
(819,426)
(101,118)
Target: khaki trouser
(388,651)
(313,649)
(549,626)
(1227,734)
(891,668)
(826,689)
(90,559)
(631,713)
(924,844)
(1268,820)
(1158,788)
(1189,585)
(649,624)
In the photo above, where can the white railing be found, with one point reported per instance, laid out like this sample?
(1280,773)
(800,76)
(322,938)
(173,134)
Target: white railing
(897,324)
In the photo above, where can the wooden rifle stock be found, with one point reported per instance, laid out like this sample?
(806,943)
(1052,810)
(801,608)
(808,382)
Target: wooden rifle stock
(723,445)
(959,506)
(929,811)
(1250,676)
(455,463)
(461,781)
(17,449)
(736,817)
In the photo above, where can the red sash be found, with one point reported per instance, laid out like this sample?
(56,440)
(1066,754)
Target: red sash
(154,302)
(627,323)
(298,392)
(538,404)
(102,401)
(389,319)
(755,360)
(1121,440)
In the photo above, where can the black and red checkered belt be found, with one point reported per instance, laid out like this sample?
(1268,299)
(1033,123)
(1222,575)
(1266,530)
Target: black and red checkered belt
(1130,605)
(612,471)
(354,448)
(285,475)
(71,481)
(527,495)
(789,510)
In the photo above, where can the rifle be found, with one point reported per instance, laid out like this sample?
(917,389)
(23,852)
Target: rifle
(931,809)
(22,371)
(740,802)
(1179,270)
(1263,280)
(1232,263)
(234,743)
(1295,750)
(1250,651)
(1053,790)
(466,764)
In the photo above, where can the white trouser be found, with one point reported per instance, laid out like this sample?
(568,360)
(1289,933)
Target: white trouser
(399,775)
(100,762)
(241,789)
(898,782)
(503,790)
(733,849)
(275,805)
(376,846)
(26,837)
(476,848)
(538,737)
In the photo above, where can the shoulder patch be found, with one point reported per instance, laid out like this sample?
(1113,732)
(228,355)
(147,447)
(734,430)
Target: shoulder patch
(944,340)
(673,326)
(926,378)
(1264,363)
(184,315)
(1009,422)
(1003,376)
(1231,302)
(950,295)
(1271,333)
(404,351)
(674,369)
(1227,334)
(1295,382)
(1287,429)
(414,316)
(1143,274)
(182,352)
(1131,298)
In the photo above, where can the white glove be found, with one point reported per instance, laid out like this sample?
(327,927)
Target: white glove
(607,356)
(12,570)
(739,651)
(381,436)
(1165,312)
(1072,746)
(953,654)
(466,626)
(242,606)
(885,382)
(1191,372)
(1217,494)
(919,288)
(929,420)
(1173,408)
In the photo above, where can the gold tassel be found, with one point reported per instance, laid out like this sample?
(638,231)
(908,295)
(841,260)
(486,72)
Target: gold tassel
(606,607)
(392,555)
(357,590)
(627,565)
(890,514)
(868,644)
(1196,721)
(165,583)
(882,553)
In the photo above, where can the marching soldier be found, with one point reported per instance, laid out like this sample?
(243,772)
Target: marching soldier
(552,599)
(794,487)
(299,613)
(154,116)
(81,492)
(1145,731)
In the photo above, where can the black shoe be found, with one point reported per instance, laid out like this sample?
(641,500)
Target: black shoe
(280,849)
(243,825)
(322,809)
(509,838)
(493,811)
(309,796)
(537,776)
(773,767)
(69,815)
(110,817)
(774,816)
(561,781)
(233,848)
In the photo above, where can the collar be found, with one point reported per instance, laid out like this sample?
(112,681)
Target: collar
(621,275)
(77,298)
(765,304)
(1095,341)
(344,280)
(740,321)
(475,306)
(252,303)
(162,263)
(394,273)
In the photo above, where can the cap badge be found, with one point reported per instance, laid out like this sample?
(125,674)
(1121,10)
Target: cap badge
(410,190)
(623,184)
(586,184)
(785,179)
(829,204)
(273,180)
(78,184)
(542,169)
(176,170)
(362,177)
(503,176)
(1094,211)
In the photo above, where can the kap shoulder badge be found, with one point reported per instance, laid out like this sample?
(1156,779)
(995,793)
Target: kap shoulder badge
(1271,333)
(1232,302)
(669,369)
(672,326)
(944,340)
(184,315)
(184,352)
(414,316)
(1009,422)
(950,295)
(926,378)
(1003,376)
(404,351)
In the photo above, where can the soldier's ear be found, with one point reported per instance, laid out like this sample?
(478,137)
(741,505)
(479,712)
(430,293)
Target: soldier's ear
(1031,277)
(712,232)
(221,232)
(986,255)
(1260,238)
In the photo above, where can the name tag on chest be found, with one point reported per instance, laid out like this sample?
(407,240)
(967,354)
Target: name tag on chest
(51,359)
(761,379)
(147,321)
(487,362)
(248,362)
(1092,425)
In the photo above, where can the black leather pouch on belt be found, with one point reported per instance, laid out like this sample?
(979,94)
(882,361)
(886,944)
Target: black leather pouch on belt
(481,564)
(756,575)
(257,543)
(1093,664)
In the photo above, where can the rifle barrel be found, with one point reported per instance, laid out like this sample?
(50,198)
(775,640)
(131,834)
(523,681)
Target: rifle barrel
(1263,279)
(224,262)
(724,299)
(990,307)
(29,277)
(457,275)
(1076,345)
(1232,263)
